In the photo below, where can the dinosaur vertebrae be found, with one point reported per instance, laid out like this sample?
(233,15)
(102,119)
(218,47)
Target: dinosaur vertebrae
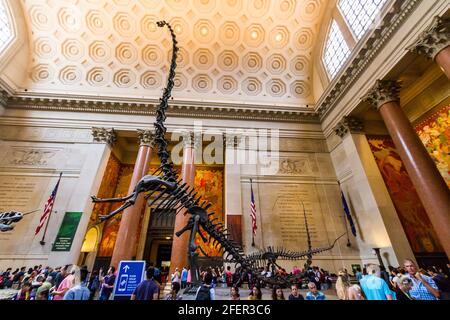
(160,129)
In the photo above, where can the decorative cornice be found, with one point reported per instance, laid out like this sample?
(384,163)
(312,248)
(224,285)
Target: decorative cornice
(349,125)
(176,109)
(104,135)
(366,53)
(146,138)
(383,92)
(434,39)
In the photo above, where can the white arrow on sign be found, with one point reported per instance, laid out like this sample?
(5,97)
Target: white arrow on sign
(126,268)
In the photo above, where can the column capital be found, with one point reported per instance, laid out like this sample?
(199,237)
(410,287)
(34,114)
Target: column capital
(192,140)
(383,92)
(349,124)
(146,138)
(434,39)
(104,135)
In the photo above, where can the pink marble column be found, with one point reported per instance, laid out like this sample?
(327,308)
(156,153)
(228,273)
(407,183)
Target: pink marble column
(126,242)
(430,186)
(434,43)
(179,257)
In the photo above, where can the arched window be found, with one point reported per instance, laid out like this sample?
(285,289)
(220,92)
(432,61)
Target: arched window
(336,50)
(6,32)
(360,14)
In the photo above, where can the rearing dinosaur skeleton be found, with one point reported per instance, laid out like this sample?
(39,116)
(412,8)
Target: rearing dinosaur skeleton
(165,186)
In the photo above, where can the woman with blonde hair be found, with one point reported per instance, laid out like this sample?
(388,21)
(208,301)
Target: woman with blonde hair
(342,285)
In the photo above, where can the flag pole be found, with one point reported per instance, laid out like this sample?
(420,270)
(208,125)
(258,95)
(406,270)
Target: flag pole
(345,219)
(42,242)
(253,233)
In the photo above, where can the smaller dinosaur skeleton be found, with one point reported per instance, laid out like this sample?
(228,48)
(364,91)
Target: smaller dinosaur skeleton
(9,217)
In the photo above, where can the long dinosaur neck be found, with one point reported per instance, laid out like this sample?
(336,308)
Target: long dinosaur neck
(160,129)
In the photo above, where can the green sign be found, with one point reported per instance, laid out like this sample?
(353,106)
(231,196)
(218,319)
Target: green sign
(67,231)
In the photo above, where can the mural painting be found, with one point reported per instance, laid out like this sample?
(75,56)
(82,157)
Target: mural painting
(209,184)
(413,217)
(435,135)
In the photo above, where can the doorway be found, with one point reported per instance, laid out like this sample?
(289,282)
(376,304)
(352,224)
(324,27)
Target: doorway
(158,243)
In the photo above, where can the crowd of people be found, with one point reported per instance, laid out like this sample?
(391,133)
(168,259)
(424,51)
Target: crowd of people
(403,283)
(372,283)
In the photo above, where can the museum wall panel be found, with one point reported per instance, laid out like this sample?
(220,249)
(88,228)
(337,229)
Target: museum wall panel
(302,178)
(30,162)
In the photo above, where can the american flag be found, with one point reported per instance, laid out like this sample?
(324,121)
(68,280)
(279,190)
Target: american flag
(48,207)
(253,210)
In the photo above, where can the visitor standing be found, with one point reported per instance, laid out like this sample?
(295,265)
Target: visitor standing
(373,286)
(147,289)
(206,291)
(65,285)
(423,287)
(313,293)
(80,290)
(295,294)
(184,275)
(108,284)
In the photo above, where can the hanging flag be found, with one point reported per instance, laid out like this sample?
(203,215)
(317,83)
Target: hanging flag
(48,207)
(253,210)
(348,215)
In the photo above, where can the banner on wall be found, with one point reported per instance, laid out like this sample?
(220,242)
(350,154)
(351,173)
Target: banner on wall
(67,230)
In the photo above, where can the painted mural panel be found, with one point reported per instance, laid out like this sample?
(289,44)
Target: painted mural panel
(111,227)
(107,188)
(413,217)
(209,184)
(435,135)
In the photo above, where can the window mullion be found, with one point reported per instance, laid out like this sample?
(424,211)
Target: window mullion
(349,36)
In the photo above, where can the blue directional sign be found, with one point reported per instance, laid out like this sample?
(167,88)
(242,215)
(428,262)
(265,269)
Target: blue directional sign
(129,275)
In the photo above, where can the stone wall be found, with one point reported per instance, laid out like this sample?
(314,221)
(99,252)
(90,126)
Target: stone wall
(31,159)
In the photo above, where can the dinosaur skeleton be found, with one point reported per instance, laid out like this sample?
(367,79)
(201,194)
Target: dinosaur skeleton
(168,192)
(8,218)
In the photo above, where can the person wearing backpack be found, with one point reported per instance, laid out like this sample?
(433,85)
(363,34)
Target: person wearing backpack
(206,291)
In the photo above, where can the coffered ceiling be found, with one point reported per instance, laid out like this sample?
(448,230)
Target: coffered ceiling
(232,51)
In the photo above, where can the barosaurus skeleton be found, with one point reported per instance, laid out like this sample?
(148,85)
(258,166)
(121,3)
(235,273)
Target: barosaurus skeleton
(165,186)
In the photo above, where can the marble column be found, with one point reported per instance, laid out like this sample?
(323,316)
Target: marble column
(126,242)
(233,205)
(179,257)
(434,43)
(431,187)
